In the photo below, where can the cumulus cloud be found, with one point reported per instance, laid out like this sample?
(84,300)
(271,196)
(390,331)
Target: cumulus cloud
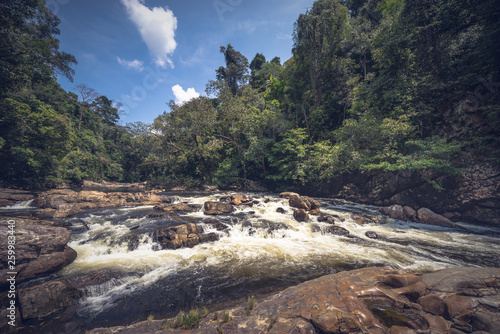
(157,27)
(182,96)
(131,64)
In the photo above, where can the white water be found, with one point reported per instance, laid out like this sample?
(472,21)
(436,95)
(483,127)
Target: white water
(19,206)
(259,252)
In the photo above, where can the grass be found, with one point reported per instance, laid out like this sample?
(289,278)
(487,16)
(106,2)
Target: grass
(150,319)
(226,317)
(250,304)
(185,320)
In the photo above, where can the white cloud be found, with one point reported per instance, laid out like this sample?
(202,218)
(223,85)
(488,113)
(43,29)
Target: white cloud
(157,27)
(131,64)
(182,96)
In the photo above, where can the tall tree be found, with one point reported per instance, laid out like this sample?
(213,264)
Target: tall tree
(235,74)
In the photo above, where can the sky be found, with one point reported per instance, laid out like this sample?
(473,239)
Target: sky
(144,53)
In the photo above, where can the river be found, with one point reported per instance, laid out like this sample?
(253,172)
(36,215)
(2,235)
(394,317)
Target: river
(261,251)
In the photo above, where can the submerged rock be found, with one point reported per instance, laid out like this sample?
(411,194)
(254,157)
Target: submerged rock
(337,230)
(370,300)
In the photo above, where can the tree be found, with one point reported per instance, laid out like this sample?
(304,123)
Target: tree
(235,72)
(87,97)
(29,50)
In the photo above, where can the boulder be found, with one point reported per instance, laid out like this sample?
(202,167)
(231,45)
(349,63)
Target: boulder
(371,234)
(300,215)
(395,211)
(288,195)
(337,230)
(42,300)
(281,210)
(40,249)
(217,208)
(329,219)
(314,204)
(426,216)
(239,199)
(299,203)
(186,235)
(410,213)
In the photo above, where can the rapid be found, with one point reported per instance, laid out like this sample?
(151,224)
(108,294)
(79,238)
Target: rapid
(260,251)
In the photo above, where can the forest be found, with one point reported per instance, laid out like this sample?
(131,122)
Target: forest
(372,85)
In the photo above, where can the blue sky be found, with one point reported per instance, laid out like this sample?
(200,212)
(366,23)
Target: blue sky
(145,53)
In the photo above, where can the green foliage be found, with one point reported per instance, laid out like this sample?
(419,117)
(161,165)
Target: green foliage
(250,304)
(184,320)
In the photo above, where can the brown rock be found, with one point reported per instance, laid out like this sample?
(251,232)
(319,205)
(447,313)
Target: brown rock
(337,230)
(300,215)
(217,208)
(410,213)
(299,203)
(432,304)
(240,199)
(288,195)
(40,249)
(67,202)
(395,211)
(186,235)
(11,196)
(426,216)
(45,299)
(314,204)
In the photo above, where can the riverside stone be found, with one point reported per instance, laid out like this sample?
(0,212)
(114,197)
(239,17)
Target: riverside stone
(62,203)
(40,249)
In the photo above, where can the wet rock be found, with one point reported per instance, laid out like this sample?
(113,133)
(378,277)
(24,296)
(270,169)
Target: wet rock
(42,300)
(337,230)
(426,216)
(315,228)
(239,199)
(362,220)
(371,235)
(410,213)
(11,196)
(315,212)
(395,211)
(216,224)
(288,195)
(40,249)
(186,235)
(314,204)
(61,203)
(281,210)
(179,207)
(172,216)
(299,203)
(329,219)
(217,208)
(300,215)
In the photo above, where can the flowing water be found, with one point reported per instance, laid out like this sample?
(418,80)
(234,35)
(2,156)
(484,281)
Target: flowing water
(260,251)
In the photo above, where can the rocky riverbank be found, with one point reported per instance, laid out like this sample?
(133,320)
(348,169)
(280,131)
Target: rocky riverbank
(368,300)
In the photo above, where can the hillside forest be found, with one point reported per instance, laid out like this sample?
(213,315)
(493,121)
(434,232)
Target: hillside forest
(373,85)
